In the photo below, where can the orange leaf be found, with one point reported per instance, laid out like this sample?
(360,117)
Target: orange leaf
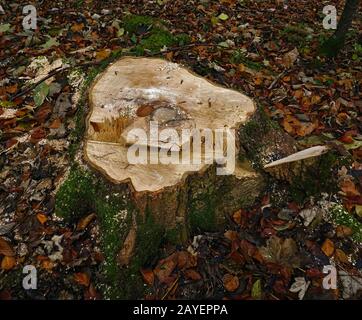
(55,124)
(349,188)
(84,222)
(148,276)
(42,218)
(8,263)
(47,264)
(103,54)
(6,248)
(328,247)
(231,283)
(192,274)
(82,279)
(77,27)
(341,256)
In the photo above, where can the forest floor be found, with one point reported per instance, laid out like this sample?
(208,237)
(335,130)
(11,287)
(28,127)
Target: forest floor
(267,50)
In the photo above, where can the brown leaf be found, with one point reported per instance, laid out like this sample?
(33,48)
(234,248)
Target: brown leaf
(82,279)
(341,256)
(126,252)
(343,231)
(349,188)
(55,124)
(77,27)
(230,282)
(148,276)
(231,235)
(186,260)
(6,248)
(192,275)
(37,134)
(8,263)
(84,222)
(103,54)
(328,247)
(164,269)
(290,57)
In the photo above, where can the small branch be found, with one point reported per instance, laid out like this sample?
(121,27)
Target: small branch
(51,74)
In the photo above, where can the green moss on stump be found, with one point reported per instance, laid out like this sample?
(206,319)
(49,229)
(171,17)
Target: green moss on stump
(153,34)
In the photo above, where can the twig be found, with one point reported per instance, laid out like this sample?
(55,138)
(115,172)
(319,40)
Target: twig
(187,46)
(277,79)
(51,74)
(170,288)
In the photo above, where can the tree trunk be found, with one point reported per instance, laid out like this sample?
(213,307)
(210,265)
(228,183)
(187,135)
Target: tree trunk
(337,40)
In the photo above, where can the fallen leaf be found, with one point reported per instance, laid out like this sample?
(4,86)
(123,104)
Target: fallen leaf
(281,251)
(82,278)
(256,291)
(84,222)
(341,256)
(126,252)
(349,188)
(343,231)
(164,269)
(290,57)
(77,27)
(103,54)
(192,275)
(8,263)
(223,16)
(42,218)
(6,248)
(148,276)
(328,247)
(231,235)
(40,93)
(359,210)
(230,282)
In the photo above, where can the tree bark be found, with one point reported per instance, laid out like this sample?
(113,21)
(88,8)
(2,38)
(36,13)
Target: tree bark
(337,40)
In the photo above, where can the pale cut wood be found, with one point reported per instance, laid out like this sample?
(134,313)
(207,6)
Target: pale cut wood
(298,156)
(134,91)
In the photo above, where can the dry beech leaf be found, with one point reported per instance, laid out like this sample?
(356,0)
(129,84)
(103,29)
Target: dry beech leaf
(82,279)
(6,248)
(77,27)
(192,275)
(84,222)
(231,283)
(42,218)
(148,276)
(349,188)
(328,247)
(8,263)
(341,256)
(231,235)
(164,269)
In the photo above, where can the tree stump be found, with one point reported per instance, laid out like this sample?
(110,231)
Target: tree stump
(180,198)
(132,94)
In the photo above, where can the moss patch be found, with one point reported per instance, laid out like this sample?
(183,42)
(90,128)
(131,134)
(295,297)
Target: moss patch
(82,193)
(252,136)
(319,178)
(151,34)
(342,217)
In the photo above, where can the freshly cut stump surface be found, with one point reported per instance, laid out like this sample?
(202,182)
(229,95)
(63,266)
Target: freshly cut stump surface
(134,91)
